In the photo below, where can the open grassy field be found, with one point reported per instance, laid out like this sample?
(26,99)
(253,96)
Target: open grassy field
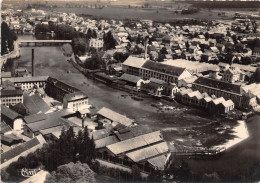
(160,14)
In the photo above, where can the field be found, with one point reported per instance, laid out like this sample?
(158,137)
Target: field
(160,14)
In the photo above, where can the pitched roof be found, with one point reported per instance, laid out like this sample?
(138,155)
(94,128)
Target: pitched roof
(114,116)
(136,142)
(9,113)
(27,79)
(218,100)
(4,128)
(148,152)
(128,133)
(160,67)
(20,108)
(228,103)
(35,118)
(18,150)
(46,124)
(218,84)
(106,141)
(130,78)
(75,96)
(99,134)
(35,104)
(192,67)
(158,162)
(11,92)
(245,67)
(10,138)
(134,62)
(51,130)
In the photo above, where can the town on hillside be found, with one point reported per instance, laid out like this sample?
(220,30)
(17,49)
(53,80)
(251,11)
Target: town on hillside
(109,91)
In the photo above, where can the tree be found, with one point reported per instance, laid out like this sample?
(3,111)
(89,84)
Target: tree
(109,41)
(155,176)
(256,75)
(206,35)
(7,39)
(136,173)
(163,50)
(72,173)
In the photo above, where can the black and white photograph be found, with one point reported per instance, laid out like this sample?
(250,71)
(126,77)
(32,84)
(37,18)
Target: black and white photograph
(130,91)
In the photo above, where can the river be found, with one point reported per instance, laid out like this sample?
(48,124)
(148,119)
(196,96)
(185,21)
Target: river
(235,161)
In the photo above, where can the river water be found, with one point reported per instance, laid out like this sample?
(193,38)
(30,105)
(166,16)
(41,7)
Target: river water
(236,161)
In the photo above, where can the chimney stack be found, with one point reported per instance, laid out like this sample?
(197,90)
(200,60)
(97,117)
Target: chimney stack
(146,45)
(33,69)
(83,123)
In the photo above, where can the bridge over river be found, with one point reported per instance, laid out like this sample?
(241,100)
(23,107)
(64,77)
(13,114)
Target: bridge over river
(42,42)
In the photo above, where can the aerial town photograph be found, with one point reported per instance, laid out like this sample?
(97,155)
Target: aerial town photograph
(104,91)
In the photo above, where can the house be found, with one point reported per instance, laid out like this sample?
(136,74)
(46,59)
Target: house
(186,82)
(96,43)
(233,74)
(223,66)
(170,90)
(21,150)
(114,117)
(12,118)
(132,80)
(75,101)
(152,88)
(256,51)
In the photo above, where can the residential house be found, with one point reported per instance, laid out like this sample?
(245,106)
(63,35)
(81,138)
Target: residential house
(96,43)
(233,74)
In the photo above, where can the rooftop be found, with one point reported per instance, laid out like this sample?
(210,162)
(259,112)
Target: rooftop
(114,116)
(75,96)
(164,68)
(136,142)
(26,79)
(218,84)
(192,67)
(134,62)
(9,113)
(35,118)
(148,152)
(8,155)
(106,141)
(130,78)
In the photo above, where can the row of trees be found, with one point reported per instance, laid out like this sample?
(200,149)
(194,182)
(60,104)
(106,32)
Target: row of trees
(7,39)
(68,148)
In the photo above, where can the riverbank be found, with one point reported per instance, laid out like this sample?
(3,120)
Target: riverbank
(12,55)
(240,132)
